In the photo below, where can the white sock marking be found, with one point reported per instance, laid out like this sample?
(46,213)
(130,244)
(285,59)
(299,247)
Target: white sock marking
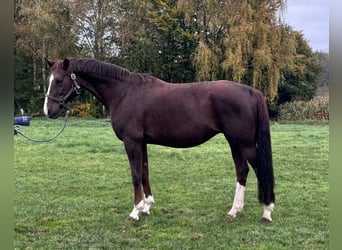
(267,211)
(238,200)
(147,204)
(142,207)
(48,93)
(136,210)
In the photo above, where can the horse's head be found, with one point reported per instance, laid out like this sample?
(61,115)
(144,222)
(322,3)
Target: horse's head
(62,87)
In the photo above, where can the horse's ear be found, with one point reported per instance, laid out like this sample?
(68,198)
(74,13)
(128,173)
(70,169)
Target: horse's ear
(66,64)
(49,62)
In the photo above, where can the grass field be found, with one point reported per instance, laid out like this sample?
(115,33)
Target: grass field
(76,192)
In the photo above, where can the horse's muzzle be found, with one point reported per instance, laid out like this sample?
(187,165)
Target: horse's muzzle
(52,114)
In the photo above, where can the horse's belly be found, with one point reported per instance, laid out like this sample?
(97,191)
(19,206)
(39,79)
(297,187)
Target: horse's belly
(180,138)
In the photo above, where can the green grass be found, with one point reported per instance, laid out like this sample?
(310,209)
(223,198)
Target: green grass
(76,192)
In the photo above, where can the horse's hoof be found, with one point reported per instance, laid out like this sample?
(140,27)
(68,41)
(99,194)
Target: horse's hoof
(230,216)
(130,218)
(265,221)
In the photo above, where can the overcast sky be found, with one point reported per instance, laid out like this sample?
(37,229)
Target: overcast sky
(312,18)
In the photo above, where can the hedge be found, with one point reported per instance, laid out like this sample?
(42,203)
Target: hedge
(315,109)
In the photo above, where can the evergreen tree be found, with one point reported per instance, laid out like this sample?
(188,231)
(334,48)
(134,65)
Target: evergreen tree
(164,43)
(323,59)
(301,78)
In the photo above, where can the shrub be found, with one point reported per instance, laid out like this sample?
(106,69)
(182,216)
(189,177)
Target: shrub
(315,109)
(88,110)
(81,110)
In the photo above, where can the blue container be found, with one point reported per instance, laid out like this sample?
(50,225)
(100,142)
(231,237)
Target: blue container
(22,120)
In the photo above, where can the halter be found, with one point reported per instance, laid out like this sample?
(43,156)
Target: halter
(75,88)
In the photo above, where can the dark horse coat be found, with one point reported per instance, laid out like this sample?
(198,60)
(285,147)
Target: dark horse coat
(146,110)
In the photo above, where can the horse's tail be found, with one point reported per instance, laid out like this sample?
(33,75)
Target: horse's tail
(264,169)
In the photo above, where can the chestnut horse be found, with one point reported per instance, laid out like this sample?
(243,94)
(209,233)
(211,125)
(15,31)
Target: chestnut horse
(146,110)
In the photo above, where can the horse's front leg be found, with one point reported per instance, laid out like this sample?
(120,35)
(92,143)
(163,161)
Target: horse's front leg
(134,152)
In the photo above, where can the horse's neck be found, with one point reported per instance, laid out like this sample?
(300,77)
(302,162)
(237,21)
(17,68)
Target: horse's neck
(105,91)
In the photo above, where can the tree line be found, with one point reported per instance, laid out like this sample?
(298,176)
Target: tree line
(176,40)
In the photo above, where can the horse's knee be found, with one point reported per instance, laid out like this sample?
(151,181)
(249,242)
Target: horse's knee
(136,182)
(137,177)
(144,178)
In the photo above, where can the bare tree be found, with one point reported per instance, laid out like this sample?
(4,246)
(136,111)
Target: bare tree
(96,23)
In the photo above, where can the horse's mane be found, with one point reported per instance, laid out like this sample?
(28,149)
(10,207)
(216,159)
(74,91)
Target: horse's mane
(95,67)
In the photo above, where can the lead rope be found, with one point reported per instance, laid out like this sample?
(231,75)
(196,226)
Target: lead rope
(17,131)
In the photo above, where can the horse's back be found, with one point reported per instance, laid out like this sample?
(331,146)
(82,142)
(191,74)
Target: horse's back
(189,114)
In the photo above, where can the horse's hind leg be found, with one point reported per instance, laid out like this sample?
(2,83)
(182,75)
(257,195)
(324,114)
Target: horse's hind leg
(148,198)
(241,168)
(268,209)
(250,153)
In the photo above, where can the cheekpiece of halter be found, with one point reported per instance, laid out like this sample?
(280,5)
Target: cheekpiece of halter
(75,88)
(75,85)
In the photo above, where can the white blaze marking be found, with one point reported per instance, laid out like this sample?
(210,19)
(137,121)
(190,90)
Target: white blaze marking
(48,93)
(238,200)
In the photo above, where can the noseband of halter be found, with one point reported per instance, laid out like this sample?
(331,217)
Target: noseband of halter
(75,88)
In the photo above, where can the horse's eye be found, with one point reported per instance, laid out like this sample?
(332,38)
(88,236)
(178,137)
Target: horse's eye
(59,81)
